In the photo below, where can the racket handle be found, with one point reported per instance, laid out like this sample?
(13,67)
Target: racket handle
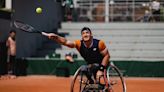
(50,35)
(44,33)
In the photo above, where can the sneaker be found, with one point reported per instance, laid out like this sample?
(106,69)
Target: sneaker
(91,81)
(101,86)
(92,86)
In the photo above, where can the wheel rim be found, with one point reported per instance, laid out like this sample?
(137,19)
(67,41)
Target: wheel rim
(115,79)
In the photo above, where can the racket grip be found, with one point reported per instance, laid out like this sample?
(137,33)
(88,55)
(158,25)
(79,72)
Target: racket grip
(51,36)
(44,33)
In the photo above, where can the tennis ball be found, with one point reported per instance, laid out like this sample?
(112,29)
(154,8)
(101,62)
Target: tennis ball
(38,10)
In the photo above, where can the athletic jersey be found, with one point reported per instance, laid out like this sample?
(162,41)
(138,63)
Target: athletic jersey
(92,54)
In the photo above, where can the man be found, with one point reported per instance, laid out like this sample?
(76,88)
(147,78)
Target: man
(155,6)
(11,44)
(92,50)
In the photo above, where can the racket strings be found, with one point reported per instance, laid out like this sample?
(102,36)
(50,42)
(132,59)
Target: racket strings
(24,27)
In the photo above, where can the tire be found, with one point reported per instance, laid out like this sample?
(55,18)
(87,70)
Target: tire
(79,82)
(115,79)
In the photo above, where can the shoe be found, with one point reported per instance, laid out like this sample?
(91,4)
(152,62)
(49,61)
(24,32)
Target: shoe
(91,81)
(92,86)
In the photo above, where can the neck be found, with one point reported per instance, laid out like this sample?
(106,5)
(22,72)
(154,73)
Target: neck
(89,43)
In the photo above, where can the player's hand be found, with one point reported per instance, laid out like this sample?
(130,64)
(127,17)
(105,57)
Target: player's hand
(99,73)
(52,36)
(99,77)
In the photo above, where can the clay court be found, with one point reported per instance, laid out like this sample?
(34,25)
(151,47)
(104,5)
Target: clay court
(40,83)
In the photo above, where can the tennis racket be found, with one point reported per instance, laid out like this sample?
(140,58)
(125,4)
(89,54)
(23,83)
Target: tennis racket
(27,28)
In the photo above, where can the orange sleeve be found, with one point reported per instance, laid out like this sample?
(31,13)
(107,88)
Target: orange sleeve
(102,45)
(77,44)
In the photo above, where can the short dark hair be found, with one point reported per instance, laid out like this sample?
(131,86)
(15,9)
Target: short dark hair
(86,28)
(12,30)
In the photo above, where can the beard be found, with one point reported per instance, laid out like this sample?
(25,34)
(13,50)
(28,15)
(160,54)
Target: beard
(86,39)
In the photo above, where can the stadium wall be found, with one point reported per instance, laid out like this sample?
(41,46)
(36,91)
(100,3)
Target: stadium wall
(48,20)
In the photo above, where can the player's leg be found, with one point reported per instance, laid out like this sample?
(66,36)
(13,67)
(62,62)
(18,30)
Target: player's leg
(87,72)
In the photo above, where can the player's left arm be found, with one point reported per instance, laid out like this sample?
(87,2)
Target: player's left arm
(104,51)
(106,56)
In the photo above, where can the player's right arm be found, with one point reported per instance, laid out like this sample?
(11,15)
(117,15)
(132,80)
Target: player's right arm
(7,42)
(8,49)
(61,40)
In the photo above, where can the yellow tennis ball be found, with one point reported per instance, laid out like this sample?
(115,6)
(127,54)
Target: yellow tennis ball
(38,10)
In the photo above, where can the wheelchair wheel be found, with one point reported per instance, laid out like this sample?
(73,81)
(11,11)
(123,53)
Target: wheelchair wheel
(115,79)
(79,82)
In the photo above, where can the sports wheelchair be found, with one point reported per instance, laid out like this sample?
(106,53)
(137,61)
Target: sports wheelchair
(112,77)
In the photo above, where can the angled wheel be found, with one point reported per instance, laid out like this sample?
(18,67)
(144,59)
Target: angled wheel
(115,79)
(79,82)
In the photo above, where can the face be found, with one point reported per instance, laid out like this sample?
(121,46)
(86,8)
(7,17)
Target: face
(13,34)
(86,35)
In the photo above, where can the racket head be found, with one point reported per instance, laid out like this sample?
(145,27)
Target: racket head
(25,27)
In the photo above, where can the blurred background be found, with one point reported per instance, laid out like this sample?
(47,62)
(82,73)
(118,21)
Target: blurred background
(133,31)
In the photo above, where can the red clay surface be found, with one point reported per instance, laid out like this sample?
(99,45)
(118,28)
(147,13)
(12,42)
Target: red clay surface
(40,83)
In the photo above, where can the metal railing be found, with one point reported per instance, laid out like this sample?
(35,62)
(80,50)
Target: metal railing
(113,11)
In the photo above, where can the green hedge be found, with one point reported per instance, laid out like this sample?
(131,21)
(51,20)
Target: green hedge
(64,68)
